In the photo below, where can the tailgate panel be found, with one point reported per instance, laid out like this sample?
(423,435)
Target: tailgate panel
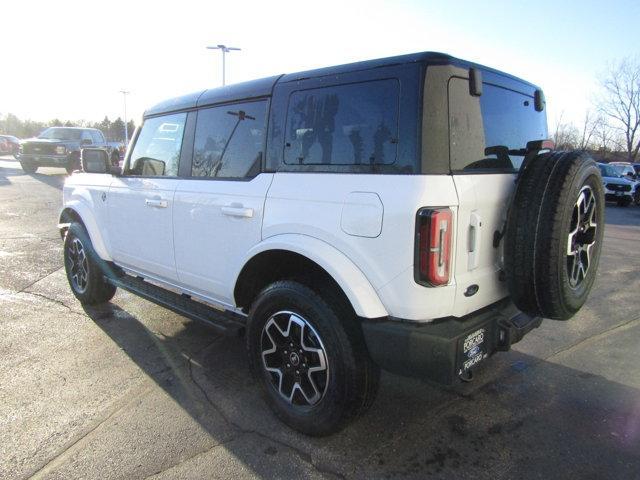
(482,207)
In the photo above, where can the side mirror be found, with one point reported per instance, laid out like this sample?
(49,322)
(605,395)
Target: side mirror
(95,160)
(86,141)
(539,101)
(475,82)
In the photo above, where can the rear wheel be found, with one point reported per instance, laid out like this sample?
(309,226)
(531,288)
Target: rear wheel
(554,234)
(83,268)
(28,167)
(309,355)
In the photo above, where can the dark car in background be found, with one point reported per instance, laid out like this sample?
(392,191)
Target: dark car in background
(60,147)
(9,145)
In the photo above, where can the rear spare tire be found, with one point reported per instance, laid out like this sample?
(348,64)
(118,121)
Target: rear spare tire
(554,234)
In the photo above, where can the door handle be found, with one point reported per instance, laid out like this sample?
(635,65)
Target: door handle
(156,202)
(474,241)
(237,211)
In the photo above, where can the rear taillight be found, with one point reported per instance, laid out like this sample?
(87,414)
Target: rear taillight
(434,230)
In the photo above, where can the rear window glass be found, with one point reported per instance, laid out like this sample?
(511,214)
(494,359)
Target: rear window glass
(354,124)
(490,132)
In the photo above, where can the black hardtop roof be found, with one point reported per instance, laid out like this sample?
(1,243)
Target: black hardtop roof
(252,89)
(264,86)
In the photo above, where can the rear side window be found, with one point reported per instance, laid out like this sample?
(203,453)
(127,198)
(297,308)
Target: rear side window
(354,124)
(157,149)
(229,141)
(490,132)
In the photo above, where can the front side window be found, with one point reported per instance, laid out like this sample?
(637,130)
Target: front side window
(229,141)
(86,137)
(490,132)
(353,124)
(157,149)
(97,136)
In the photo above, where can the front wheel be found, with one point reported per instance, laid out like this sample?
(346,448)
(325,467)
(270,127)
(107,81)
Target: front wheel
(310,357)
(82,265)
(28,167)
(73,164)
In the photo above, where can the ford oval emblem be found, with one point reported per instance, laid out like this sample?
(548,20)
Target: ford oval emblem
(473,352)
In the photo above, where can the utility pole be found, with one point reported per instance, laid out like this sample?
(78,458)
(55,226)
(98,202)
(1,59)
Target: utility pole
(126,127)
(224,49)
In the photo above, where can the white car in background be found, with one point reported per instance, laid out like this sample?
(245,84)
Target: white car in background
(617,188)
(628,171)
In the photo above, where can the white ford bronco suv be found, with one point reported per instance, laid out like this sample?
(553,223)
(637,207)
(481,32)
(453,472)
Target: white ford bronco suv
(405,213)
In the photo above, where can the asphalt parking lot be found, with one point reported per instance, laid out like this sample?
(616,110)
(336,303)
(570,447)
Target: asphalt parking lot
(132,390)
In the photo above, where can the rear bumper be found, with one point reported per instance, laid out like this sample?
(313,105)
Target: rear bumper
(447,348)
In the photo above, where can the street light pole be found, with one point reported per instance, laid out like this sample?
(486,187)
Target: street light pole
(126,128)
(224,49)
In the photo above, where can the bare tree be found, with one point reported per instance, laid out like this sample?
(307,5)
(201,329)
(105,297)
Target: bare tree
(619,101)
(566,135)
(588,130)
(603,137)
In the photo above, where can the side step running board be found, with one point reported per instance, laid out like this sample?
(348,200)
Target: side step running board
(226,323)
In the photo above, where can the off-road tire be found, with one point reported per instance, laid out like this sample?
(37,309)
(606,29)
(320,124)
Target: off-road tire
(538,229)
(28,167)
(352,376)
(94,289)
(73,163)
(72,167)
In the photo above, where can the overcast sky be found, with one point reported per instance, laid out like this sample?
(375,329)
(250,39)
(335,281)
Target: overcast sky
(69,59)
